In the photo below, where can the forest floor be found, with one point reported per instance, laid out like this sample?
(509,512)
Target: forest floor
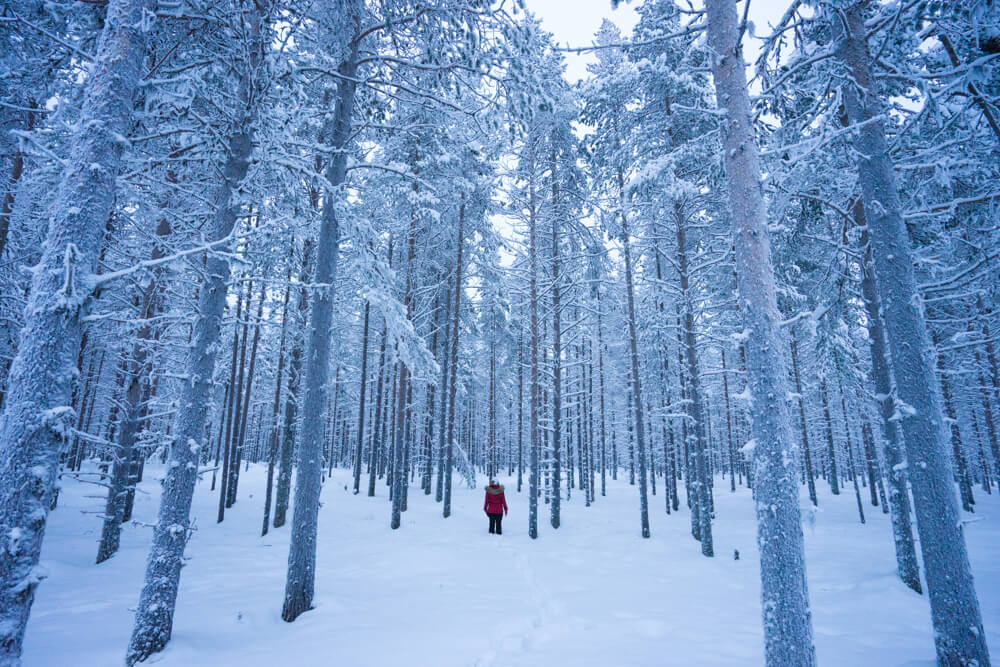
(443,593)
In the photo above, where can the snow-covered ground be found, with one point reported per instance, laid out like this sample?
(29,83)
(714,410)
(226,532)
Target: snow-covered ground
(444,593)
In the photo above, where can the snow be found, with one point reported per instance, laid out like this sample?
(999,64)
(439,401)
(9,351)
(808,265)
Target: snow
(443,592)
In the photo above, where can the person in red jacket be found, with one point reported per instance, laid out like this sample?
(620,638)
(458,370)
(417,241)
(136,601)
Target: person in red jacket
(495,506)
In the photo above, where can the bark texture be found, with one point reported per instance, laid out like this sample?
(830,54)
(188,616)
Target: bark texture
(37,416)
(958,626)
(784,596)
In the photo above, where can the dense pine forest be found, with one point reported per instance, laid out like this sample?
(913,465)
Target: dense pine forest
(269,263)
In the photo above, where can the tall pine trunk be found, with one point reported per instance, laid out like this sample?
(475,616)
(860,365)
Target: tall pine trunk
(400,462)
(556,357)
(807,464)
(286,452)
(533,436)
(301,578)
(234,479)
(443,407)
(784,596)
(831,449)
(600,371)
(362,394)
(699,415)
(635,391)
(959,636)
(276,410)
(37,418)
(155,613)
(453,364)
(958,456)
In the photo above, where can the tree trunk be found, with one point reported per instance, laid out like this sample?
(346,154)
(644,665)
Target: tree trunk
(443,407)
(871,464)
(533,439)
(276,411)
(556,358)
(230,412)
(729,433)
(16,170)
(373,461)
(36,417)
(309,469)
(600,371)
(226,488)
(427,478)
(453,362)
(234,479)
(154,616)
(361,403)
(810,479)
(959,636)
(899,495)
(984,392)
(831,450)
(636,387)
(699,414)
(286,453)
(520,410)
(784,595)
(136,394)
(402,407)
(850,454)
(958,456)
(491,446)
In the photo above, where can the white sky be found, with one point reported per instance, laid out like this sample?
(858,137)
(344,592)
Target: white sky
(574,22)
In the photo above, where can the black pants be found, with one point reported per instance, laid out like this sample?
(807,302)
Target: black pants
(495,520)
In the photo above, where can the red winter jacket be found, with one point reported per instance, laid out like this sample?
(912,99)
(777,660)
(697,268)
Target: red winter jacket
(495,502)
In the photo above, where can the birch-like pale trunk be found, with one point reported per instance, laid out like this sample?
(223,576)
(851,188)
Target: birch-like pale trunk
(787,620)
(37,416)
